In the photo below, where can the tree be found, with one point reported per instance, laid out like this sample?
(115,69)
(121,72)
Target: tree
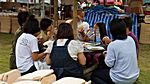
(75,3)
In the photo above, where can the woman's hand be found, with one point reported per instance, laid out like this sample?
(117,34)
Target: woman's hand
(106,40)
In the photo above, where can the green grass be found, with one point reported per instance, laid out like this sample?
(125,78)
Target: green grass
(144,58)
(144,64)
(5,46)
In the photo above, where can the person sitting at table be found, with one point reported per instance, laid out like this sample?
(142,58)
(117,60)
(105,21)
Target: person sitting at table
(102,30)
(46,25)
(84,33)
(47,34)
(128,22)
(66,54)
(27,47)
(22,17)
(121,58)
(103,34)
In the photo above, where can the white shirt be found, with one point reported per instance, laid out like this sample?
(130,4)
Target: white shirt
(86,30)
(122,58)
(84,25)
(25,46)
(74,47)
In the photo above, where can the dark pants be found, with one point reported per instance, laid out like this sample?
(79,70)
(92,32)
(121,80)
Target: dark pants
(32,69)
(101,76)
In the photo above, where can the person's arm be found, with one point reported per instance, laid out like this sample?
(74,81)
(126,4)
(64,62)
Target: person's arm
(106,40)
(81,58)
(35,50)
(47,59)
(110,57)
(36,56)
(78,49)
(47,51)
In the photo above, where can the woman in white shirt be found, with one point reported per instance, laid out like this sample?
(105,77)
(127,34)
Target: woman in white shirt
(66,55)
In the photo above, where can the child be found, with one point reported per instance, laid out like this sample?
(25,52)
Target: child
(102,30)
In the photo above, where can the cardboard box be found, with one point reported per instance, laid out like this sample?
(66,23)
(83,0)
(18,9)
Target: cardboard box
(145,33)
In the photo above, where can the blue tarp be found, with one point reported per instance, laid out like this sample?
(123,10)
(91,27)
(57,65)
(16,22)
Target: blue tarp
(105,15)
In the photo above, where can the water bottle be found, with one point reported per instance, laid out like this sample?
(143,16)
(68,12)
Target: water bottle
(97,36)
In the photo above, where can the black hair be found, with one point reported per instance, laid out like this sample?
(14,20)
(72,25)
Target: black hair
(65,31)
(118,29)
(128,21)
(31,26)
(45,23)
(22,17)
(102,29)
(97,1)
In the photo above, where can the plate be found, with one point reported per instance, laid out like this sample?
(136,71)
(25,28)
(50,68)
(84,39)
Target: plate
(90,47)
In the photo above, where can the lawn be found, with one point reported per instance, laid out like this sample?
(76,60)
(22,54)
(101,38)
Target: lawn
(5,46)
(144,58)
